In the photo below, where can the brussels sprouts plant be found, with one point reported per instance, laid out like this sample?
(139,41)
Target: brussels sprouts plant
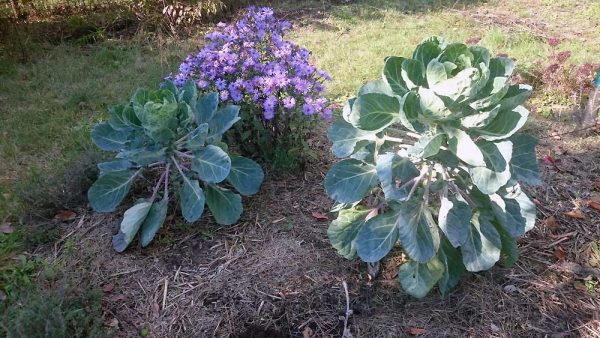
(174,134)
(432,162)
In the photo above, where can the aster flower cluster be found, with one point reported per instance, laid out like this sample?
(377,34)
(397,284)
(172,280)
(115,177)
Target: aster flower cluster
(249,62)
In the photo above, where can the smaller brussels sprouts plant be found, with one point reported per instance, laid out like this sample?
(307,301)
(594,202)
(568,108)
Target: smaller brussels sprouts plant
(174,134)
(432,161)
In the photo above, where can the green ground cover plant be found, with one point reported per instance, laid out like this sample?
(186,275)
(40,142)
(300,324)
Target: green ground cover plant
(432,161)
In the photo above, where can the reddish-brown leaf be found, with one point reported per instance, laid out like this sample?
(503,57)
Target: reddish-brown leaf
(578,214)
(6,228)
(108,287)
(319,216)
(117,298)
(473,40)
(594,205)
(597,184)
(65,215)
(416,331)
(307,332)
(560,254)
(548,159)
(551,223)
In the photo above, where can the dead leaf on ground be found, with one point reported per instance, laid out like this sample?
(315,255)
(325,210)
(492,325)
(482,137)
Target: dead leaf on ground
(108,287)
(551,223)
(308,332)
(578,214)
(416,331)
(597,184)
(560,253)
(6,228)
(320,216)
(118,298)
(113,323)
(594,205)
(65,215)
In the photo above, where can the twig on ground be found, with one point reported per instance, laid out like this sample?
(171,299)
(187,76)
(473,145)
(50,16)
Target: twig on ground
(347,333)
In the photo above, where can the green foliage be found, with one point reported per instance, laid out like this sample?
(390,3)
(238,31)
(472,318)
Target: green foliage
(431,161)
(175,135)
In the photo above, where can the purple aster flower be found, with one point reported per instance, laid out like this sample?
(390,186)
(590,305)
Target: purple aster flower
(289,102)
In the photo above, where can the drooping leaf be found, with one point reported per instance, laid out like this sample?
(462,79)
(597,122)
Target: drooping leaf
(343,230)
(117,121)
(154,220)
(212,164)
(377,236)
(191,200)
(496,173)
(461,144)
(110,189)
(453,267)
(509,252)
(417,230)
(524,162)
(482,247)
(345,137)
(514,97)
(395,173)
(132,220)
(206,107)
(116,165)
(107,138)
(246,176)
(454,219)
(428,146)
(225,206)
(417,279)
(373,111)
(143,156)
(514,210)
(349,180)
(481,119)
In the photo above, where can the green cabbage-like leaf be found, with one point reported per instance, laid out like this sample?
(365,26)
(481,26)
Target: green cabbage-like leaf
(342,231)
(417,279)
(110,189)
(245,176)
(154,220)
(107,138)
(226,206)
(131,223)
(212,164)
(349,180)
(191,199)
(377,236)
(374,111)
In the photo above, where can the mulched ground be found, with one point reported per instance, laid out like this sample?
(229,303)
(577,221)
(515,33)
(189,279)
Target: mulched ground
(274,274)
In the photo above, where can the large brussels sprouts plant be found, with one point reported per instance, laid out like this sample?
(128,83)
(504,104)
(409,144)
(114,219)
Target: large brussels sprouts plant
(432,162)
(174,135)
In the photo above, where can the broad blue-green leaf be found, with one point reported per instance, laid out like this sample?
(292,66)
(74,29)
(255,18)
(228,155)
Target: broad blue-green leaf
(107,138)
(413,73)
(514,210)
(110,189)
(432,106)
(159,120)
(116,165)
(453,267)
(170,86)
(189,92)
(392,74)
(436,72)
(191,200)
(481,119)
(395,174)
(376,86)
(482,247)
(374,112)
(154,220)
(343,230)
(524,161)
(429,49)
(350,180)
(496,173)
(417,279)
(223,119)
(345,136)
(212,164)
(457,53)
(197,139)
(417,230)
(461,144)
(457,86)
(206,107)
(130,118)
(132,220)
(410,107)
(143,156)
(347,110)
(245,176)
(515,96)
(116,120)
(428,146)
(510,252)
(377,237)
(505,124)
(455,219)
(226,206)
